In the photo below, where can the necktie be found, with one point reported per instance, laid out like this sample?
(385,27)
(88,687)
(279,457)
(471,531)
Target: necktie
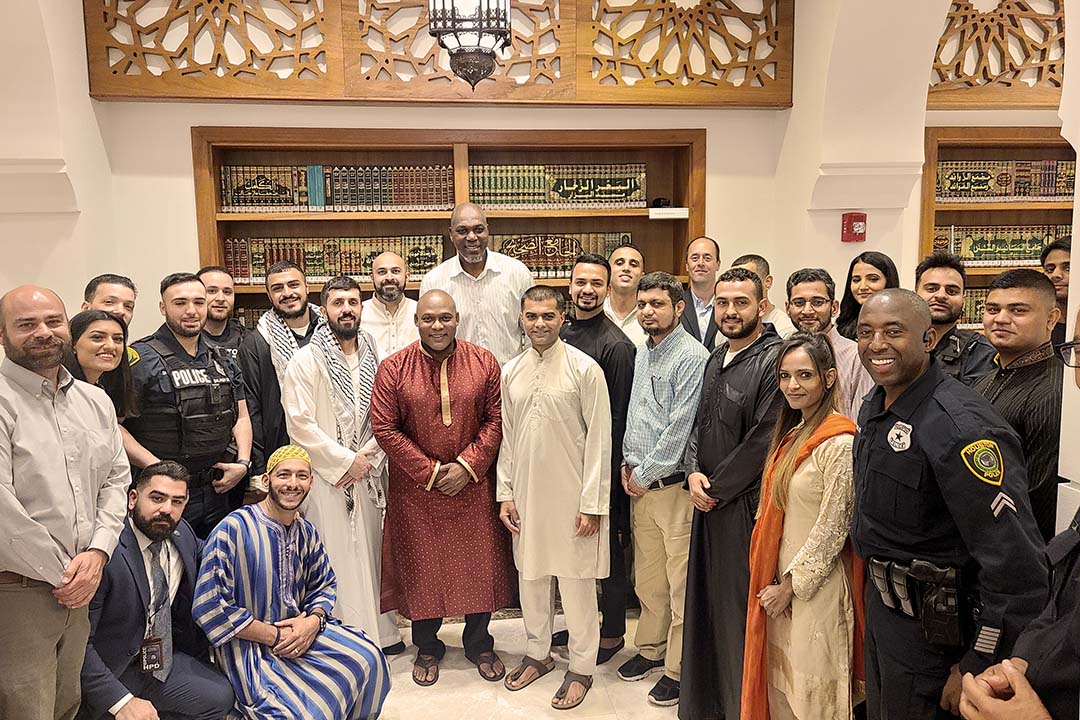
(161,623)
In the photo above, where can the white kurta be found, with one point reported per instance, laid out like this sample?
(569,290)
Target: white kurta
(555,460)
(353,543)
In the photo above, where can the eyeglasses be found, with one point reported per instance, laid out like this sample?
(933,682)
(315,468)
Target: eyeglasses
(1070,353)
(816,302)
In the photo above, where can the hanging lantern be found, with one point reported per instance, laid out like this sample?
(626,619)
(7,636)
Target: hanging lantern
(471,31)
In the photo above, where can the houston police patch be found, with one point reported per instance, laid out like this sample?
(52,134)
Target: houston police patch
(983,459)
(133,356)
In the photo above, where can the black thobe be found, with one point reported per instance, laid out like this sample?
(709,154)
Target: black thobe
(1057,335)
(729,442)
(964,354)
(603,341)
(1051,643)
(1027,394)
(263,394)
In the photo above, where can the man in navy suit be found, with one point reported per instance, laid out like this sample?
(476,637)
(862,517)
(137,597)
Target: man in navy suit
(702,264)
(145,654)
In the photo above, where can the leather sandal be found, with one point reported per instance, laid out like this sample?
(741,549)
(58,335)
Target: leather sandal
(425,662)
(488,657)
(572,677)
(541,668)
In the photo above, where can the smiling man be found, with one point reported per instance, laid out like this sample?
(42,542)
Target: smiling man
(389,314)
(326,393)
(1056,261)
(222,329)
(940,489)
(702,262)
(627,266)
(1025,386)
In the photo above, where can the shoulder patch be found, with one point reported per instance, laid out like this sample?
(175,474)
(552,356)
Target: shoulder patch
(133,355)
(983,459)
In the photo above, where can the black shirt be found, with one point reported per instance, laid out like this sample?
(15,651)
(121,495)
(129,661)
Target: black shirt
(229,340)
(940,476)
(603,341)
(964,354)
(1027,394)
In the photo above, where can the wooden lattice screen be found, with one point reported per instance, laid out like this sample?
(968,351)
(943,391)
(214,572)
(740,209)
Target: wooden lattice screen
(655,52)
(1013,55)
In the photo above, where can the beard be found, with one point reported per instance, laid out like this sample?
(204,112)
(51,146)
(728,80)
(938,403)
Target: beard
(816,325)
(341,332)
(35,356)
(217,315)
(586,304)
(389,292)
(745,329)
(158,527)
(658,330)
(938,317)
(275,498)
(180,331)
(300,312)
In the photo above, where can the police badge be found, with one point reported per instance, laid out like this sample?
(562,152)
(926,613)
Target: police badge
(900,436)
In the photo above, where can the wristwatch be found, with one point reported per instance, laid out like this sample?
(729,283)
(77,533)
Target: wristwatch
(322,619)
(245,463)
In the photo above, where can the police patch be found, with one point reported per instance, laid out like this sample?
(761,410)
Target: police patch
(133,356)
(900,436)
(983,459)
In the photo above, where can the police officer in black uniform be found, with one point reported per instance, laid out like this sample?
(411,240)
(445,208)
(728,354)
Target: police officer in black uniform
(190,402)
(955,562)
(964,354)
(222,330)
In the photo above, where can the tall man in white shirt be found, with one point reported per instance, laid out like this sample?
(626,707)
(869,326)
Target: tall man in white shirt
(63,473)
(627,266)
(388,314)
(773,315)
(486,286)
(702,264)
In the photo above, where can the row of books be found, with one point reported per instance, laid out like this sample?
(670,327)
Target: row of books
(249,315)
(552,256)
(337,188)
(247,259)
(540,187)
(974,299)
(1005,180)
(998,245)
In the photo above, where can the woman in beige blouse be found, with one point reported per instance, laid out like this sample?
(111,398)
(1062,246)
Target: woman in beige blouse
(800,642)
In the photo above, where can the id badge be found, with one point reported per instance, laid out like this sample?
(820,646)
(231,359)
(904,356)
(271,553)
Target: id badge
(150,653)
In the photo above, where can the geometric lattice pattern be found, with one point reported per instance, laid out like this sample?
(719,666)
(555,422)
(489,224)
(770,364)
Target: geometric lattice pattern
(224,38)
(1014,51)
(665,43)
(393,45)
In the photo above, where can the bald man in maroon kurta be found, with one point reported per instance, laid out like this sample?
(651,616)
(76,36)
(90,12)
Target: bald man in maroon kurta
(436,412)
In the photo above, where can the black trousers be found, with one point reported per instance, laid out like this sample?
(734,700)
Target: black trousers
(614,590)
(476,638)
(205,509)
(904,675)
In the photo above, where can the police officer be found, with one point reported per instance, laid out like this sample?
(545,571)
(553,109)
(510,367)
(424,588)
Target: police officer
(222,329)
(954,559)
(190,402)
(964,354)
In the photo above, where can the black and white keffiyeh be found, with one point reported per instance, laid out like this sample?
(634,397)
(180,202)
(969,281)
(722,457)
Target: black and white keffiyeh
(281,339)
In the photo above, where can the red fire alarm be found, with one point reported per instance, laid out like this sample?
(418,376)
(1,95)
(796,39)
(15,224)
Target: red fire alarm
(853,227)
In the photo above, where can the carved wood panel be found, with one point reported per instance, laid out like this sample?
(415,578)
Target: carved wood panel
(1012,55)
(661,52)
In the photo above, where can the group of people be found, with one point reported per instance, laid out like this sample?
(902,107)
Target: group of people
(828,502)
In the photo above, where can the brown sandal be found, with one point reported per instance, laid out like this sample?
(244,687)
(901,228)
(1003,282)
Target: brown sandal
(541,668)
(425,663)
(572,677)
(488,657)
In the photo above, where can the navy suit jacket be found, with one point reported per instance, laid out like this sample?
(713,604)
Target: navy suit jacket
(689,322)
(118,618)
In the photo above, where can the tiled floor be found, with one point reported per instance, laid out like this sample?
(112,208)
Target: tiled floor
(461,694)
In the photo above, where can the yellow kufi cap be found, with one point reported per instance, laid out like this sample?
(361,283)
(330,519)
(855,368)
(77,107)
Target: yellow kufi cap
(287,452)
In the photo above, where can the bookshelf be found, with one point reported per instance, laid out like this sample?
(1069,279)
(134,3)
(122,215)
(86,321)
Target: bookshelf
(673,162)
(995,196)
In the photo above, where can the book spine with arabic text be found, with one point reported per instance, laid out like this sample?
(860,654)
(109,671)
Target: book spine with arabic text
(967,181)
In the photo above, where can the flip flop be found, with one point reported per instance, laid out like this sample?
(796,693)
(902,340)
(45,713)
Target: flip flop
(426,662)
(488,657)
(541,668)
(571,677)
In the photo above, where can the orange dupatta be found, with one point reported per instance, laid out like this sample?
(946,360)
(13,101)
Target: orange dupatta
(764,556)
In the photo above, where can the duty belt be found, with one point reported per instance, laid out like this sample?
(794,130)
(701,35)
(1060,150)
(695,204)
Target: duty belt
(929,594)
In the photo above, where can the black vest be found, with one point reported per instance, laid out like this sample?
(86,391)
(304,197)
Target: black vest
(196,430)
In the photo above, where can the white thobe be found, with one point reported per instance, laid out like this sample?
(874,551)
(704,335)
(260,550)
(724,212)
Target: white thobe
(392,331)
(555,460)
(629,325)
(353,542)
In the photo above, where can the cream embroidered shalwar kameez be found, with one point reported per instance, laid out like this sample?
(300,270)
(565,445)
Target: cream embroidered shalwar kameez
(353,543)
(810,652)
(555,462)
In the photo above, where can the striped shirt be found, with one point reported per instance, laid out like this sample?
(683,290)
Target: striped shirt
(663,403)
(489,305)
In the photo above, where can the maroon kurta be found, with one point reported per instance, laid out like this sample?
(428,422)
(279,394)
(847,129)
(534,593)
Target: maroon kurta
(442,556)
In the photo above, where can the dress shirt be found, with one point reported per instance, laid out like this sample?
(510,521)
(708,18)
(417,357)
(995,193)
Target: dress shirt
(663,404)
(703,310)
(489,305)
(855,381)
(63,472)
(391,332)
(780,321)
(629,324)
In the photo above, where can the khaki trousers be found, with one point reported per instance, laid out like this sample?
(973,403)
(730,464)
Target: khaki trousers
(661,521)
(42,645)
(582,619)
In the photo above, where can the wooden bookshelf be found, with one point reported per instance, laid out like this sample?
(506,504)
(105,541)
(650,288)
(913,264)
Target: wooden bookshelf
(674,160)
(945,144)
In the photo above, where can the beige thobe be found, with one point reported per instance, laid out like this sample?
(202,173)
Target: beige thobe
(353,542)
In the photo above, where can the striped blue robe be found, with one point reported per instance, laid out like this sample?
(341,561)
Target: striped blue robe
(254,567)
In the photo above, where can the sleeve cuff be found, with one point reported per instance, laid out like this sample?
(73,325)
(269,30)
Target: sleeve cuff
(431,480)
(104,540)
(468,467)
(120,704)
